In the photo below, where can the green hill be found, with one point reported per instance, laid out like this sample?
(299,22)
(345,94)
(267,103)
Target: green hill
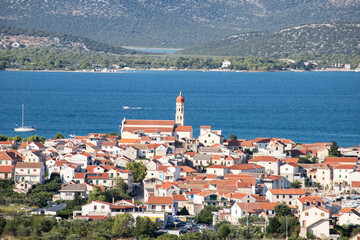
(323,39)
(13,37)
(170,23)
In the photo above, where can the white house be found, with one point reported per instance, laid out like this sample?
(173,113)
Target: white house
(210,137)
(285,195)
(96,208)
(271,164)
(69,191)
(67,173)
(32,172)
(218,170)
(349,216)
(316,221)
(83,159)
(161,204)
(341,173)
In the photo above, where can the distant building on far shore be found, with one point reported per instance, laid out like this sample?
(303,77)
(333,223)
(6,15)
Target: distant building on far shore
(226,64)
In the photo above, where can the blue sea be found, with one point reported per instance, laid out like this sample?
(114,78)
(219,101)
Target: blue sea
(302,106)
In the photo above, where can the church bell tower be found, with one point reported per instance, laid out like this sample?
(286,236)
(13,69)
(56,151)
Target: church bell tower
(180,114)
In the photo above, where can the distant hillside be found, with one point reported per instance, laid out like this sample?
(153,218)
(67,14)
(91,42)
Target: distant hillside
(170,23)
(13,37)
(324,39)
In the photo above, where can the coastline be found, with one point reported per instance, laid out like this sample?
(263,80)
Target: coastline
(185,70)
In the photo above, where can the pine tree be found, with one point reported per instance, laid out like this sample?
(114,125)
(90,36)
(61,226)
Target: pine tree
(334,149)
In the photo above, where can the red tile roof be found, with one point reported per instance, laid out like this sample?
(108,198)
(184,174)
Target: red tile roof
(290,191)
(106,203)
(7,155)
(344,166)
(148,122)
(38,144)
(183,128)
(291,160)
(261,140)
(128,140)
(160,200)
(312,199)
(258,206)
(245,166)
(6,169)
(273,177)
(337,160)
(109,143)
(187,169)
(163,168)
(217,166)
(346,210)
(355,184)
(179,198)
(263,159)
(29,165)
(79,175)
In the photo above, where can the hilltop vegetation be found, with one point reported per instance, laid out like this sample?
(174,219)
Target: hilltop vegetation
(170,23)
(19,37)
(55,59)
(323,39)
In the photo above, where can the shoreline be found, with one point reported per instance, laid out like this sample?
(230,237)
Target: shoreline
(179,70)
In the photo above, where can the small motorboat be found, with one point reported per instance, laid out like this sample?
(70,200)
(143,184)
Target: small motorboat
(126,107)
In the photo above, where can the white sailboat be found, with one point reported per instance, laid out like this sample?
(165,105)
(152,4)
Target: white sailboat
(24,128)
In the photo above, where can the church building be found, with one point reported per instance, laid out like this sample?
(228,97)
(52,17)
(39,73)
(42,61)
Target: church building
(155,129)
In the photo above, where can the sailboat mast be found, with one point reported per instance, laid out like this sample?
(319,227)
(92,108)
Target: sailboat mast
(22,115)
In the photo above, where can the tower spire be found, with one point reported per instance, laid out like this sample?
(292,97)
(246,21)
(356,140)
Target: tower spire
(180,113)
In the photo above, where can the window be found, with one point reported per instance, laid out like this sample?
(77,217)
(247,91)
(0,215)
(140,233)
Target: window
(322,214)
(95,207)
(102,207)
(209,135)
(306,214)
(205,141)
(163,207)
(153,207)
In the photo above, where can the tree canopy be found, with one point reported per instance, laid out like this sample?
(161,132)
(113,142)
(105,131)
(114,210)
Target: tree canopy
(334,149)
(282,209)
(138,170)
(59,136)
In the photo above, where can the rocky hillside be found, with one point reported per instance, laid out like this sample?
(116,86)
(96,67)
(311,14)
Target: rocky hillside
(13,37)
(170,23)
(326,38)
